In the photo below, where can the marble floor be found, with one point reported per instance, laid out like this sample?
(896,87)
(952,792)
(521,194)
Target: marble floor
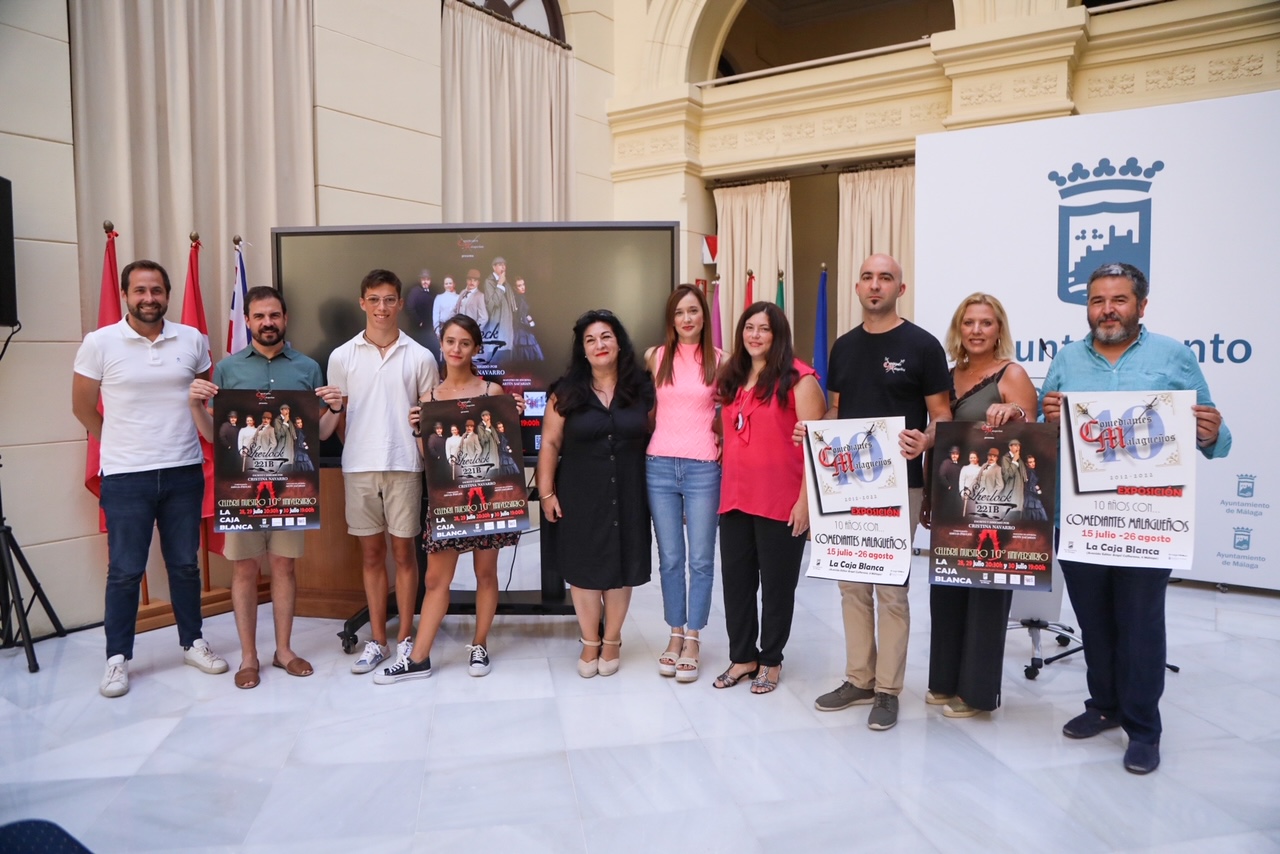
(535,758)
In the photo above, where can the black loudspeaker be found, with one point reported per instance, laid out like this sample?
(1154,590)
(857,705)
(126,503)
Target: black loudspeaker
(8,274)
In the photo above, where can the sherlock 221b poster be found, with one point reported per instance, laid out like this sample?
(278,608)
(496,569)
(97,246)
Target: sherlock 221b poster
(264,452)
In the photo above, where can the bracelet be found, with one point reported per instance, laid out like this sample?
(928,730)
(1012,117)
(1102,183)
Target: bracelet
(337,411)
(417,432)
(1021,411)
(545,495)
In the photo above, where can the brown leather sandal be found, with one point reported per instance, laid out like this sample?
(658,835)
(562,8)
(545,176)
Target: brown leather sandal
(297,667)
(247,677)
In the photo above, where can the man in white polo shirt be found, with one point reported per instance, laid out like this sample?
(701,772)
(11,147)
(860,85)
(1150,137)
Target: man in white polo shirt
(152,473)
(382,372)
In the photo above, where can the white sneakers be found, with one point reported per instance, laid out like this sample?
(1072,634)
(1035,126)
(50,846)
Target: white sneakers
(115,682)
(373,655)
(199,655)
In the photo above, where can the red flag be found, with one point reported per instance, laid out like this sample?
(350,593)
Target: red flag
(108,314)
(193,315)
(751,283)
(192,302)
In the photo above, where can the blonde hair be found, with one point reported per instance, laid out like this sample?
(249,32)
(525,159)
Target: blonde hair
(955,337)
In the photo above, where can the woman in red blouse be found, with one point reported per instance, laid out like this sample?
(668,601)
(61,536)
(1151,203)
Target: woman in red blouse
(764,511)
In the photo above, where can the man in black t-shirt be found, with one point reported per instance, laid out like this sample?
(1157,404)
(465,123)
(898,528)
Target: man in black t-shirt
(887,366)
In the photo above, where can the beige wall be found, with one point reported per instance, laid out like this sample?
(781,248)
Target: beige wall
(377,111)
(54,517)
(589,29)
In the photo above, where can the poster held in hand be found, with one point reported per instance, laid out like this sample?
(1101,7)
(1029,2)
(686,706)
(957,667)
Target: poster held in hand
(992,496)
(475,477)
(859,519)
(1128,490)
(264,453)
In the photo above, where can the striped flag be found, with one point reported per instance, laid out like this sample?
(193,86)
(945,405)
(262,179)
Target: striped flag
(237,331)
(717,337)
(109,314)
(820,332)
(782,298)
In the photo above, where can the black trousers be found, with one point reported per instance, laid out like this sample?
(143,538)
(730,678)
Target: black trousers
(1121,614)
(966,643)
(758,554)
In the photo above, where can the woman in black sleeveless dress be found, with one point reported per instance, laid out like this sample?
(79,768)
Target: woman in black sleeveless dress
(966,642)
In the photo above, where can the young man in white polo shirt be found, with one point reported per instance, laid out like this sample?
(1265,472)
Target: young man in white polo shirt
(152,474)
(382,372)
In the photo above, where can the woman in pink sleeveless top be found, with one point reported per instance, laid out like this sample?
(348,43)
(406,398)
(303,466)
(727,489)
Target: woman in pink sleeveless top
(683,475)
(764,511)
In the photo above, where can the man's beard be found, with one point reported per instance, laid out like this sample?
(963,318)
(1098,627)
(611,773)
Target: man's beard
(1127,331)
(261,336)
(159,309)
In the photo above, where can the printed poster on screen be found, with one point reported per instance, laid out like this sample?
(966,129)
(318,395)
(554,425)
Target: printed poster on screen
(264,469)
(475,477)
(1142,446)
(858,514)
(992,505)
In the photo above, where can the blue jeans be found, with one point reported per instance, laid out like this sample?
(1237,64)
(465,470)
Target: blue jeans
(135,503)
(685,494)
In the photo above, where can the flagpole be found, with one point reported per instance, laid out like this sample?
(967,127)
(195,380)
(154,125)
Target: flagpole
(820,331)
(717,336)
(193,315)
(108,314)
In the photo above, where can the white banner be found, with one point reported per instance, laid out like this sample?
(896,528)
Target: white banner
(1128,495)
(1026,211)
(858,514)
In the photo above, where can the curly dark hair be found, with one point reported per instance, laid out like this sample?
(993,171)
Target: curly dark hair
(573,389)
(779,375)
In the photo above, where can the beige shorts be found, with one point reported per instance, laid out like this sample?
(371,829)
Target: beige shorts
(243,545)
(380,501)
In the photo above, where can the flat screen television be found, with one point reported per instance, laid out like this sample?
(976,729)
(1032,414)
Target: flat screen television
(567,268)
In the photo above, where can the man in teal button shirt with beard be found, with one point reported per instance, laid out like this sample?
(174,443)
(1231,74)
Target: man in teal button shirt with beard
(1121,609)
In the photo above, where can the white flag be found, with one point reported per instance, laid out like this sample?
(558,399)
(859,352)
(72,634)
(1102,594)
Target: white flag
(237,331)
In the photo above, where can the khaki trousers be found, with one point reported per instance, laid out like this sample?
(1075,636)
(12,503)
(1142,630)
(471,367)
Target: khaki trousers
(877,626)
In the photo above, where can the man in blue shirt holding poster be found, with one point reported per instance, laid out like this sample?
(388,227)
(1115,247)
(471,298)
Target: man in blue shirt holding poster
(1121,609)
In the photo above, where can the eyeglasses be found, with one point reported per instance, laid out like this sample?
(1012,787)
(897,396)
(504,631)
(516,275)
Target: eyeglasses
(389,302)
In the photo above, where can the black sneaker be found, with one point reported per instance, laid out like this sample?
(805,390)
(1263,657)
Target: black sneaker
(884,714)
(479,665)
(1088,724)
(1141,757)
(843,697)
(402,670)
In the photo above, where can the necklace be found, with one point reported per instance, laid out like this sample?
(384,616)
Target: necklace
(459,391)
(382,348)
